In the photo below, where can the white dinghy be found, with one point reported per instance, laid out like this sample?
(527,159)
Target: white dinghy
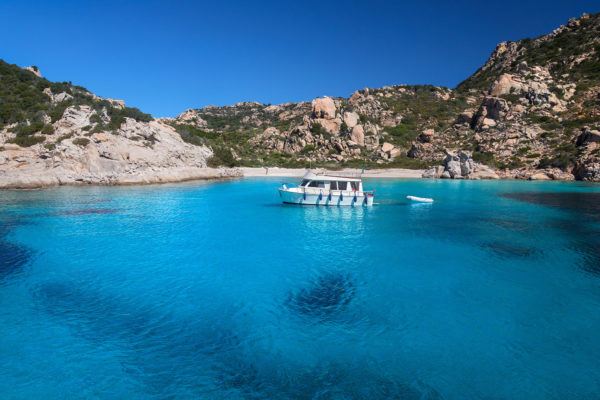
(420,199)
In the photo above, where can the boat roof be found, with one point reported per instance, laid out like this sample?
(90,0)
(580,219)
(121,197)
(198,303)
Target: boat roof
(332,176)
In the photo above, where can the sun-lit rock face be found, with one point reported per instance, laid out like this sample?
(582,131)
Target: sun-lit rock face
(138,152)
(323,108)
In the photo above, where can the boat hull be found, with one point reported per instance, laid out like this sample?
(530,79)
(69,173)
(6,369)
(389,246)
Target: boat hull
(290,197)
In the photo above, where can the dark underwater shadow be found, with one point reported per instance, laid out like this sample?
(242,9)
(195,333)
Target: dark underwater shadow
(504,249)
(159,350)
(210,352)
(326,294)
(584,240)
(13,257)
(581,229)
(585,203)
(82,211)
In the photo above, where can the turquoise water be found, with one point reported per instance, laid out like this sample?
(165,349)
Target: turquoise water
(217,291)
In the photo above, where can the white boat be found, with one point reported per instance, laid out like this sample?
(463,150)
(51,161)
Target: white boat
(328,189)
(420,199)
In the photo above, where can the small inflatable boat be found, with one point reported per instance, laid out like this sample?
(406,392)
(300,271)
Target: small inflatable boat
(420,199)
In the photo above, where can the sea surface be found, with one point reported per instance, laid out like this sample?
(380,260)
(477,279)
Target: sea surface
(215,290)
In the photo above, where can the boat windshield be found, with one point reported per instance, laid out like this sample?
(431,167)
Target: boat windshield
(317,184)
(304,182)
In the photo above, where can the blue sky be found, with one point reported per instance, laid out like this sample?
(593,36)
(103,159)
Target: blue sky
(166,57)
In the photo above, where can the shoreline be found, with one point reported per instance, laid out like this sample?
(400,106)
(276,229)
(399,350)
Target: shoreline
(175,175)
(44,181)
(396,173)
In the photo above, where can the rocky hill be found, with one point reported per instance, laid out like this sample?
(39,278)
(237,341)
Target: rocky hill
(531,111)
(58,133)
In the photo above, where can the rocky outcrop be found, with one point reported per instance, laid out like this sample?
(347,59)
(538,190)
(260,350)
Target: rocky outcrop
(460,165)
(323,108)
(138,152)
(35,70)
(490,111)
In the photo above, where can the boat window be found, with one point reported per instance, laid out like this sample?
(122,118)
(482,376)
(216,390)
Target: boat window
(304,182)
(342,185)
(317,184)
(333,186)
(354,185)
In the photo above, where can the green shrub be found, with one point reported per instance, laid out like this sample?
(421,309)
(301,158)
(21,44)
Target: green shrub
(317,129)
(512,97)
(117,116)
(222,157)
(48,129)
(98,128)
(191,134)
(95,119)
(307,149)
(50,146)
(486,158)
(63,137)
(25,130)
(58,111)
(27,141)
(81,141)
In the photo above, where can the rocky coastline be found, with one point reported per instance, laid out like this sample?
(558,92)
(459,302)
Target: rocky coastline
(532,111)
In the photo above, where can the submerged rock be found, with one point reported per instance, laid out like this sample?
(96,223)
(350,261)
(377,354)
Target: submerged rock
(328,293)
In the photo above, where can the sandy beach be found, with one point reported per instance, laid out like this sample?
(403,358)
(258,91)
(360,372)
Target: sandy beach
(299,172)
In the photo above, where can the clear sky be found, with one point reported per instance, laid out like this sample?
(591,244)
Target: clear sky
(167,56)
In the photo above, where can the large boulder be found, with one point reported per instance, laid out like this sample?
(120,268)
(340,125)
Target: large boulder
(386,147)
(587,137)
(505,84)
(358,135)
(434,172)
(465,117)
(331,126)
(351,119)
(467,165)
(588,170)
(494,108)
(323,108)
(34,69)
(483,172)
(460,165)
(426,136)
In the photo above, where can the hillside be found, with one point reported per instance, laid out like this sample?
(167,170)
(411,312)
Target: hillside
(532,106)
(58,133)
(531,111)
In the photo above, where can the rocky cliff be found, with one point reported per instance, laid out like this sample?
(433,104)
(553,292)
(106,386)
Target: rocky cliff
(53,134)
(532,110)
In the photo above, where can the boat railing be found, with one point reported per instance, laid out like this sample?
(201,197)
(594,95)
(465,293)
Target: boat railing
(314,190)
(352,175)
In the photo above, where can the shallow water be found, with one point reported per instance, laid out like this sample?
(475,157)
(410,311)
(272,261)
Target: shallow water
(218,291)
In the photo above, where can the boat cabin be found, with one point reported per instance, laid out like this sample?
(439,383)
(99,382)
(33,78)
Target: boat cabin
(330,181)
